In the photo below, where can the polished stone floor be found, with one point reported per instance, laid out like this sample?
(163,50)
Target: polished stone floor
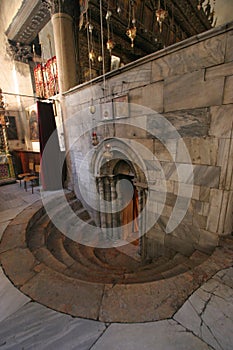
(204,321)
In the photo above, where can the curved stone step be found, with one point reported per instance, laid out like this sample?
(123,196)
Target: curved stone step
(55,246)
(100,265)
(114,257)
(85,256)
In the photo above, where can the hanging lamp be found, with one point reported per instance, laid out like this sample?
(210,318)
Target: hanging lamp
(110,42)
(107,154)
(131,31)
(161,14)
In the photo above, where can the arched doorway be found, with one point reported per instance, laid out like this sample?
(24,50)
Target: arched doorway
(128,193)
(120,203)
(122,191)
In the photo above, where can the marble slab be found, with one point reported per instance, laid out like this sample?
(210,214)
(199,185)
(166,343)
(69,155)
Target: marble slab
(163,335)
(11,299)
(37,327)
(208,313)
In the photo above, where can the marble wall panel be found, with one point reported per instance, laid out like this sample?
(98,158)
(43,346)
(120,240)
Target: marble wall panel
(228,90)
(229,46)
(152,96)
(162,152)
(225,70)
(221,121)
(228,222)
(204,194)
(191,90)
(222,160)
(201,150)
(214,210)
(135,96)
(203,54)
(190,122)
(127,131)
(223,217)
(207,176)
(127,80)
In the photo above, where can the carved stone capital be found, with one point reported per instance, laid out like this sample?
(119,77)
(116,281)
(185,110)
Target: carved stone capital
(19,52)
(62,6)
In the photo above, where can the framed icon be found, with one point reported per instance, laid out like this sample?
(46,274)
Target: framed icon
(106,110)
(121,106)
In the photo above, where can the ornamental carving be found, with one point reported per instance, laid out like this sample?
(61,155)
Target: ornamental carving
(61,6)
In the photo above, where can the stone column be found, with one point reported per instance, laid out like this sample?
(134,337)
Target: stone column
(63,14)
(97,211)
(141,218)
(114,207)
(107,191)
(102,206)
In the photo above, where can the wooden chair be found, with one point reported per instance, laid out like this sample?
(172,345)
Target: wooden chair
(33,179)
(23,175)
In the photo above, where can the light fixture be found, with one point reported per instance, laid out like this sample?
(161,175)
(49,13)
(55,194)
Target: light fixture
(131,31)
(91,43)
(110,42)
(92,55)
(95,140)
(161,14)
(107,154)
(92,108)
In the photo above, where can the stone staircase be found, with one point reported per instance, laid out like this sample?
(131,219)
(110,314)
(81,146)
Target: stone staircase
(105,284)
(98,265)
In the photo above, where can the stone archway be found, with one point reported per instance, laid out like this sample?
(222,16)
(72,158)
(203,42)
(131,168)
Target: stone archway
(122,188)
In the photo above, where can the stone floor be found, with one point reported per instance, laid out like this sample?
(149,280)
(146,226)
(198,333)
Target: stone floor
(204,321)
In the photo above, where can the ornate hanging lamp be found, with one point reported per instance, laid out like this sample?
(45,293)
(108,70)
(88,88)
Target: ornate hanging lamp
(91,44)
(161,14)
(132,29)
(110,42)
(107,154)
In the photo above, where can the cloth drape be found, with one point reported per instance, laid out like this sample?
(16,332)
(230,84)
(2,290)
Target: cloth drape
(51,167)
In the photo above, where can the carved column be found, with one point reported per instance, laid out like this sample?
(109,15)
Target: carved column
(102,205)
(114,207)
(107,192)
(63,14)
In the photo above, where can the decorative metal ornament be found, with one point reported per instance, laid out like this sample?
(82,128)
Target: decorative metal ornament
(100,58)
(107,154)
(110,42)
(92,55)
(118,10)
(92,108)
(95,140)
(161,14)
(131,33)
(108,15)
(110,45)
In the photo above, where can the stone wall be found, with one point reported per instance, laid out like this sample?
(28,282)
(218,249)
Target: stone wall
(190,84)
